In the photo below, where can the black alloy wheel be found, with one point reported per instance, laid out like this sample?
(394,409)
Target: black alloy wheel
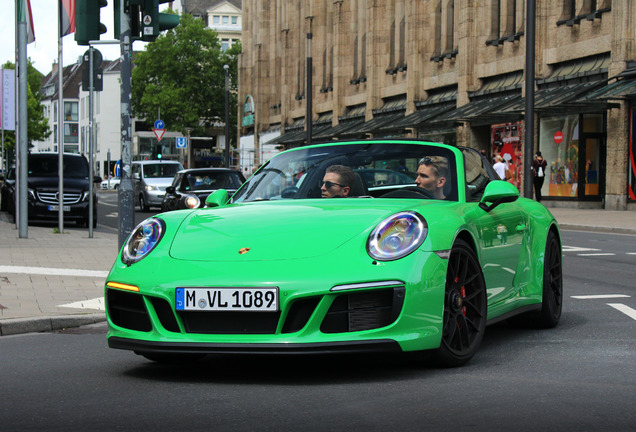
(552,303)
(465,308)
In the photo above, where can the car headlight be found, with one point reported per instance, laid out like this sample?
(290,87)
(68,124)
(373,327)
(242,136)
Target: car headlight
(192,201)
(144,238)
(397,236)
(151,188)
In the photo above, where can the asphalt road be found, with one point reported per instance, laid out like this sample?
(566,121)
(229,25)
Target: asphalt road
(579,376)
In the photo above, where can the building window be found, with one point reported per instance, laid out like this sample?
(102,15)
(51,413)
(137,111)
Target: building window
(225,44)
(575,11)
(226,19)
(444,31)
(235,20)
(70,111)
(507,19)
(216,19)
(71,133)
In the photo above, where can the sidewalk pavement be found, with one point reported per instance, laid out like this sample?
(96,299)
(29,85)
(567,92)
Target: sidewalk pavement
(50,281)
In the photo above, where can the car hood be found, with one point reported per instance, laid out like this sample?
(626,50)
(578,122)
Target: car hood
(159,181)
(44,183)
(274,230)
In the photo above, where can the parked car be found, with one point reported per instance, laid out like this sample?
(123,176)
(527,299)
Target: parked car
(191,187)
(43,189)
(112,183)
(278,269)
(150,179)
(6,190)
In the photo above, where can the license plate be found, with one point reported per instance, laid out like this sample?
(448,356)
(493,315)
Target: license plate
(57,208)
(227,299)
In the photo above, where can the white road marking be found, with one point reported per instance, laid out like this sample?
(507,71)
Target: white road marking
(600,296)
(96,303)
(577,249)
(53,271)
(625,309)
(597,254)
(631,253)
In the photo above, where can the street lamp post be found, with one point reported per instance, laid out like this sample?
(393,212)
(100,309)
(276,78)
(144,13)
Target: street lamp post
(227,115)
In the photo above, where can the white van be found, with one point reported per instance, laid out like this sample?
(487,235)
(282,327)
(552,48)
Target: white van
(150,179)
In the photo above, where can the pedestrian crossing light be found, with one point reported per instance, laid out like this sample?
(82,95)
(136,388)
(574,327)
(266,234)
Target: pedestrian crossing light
(87,25)
(153,22)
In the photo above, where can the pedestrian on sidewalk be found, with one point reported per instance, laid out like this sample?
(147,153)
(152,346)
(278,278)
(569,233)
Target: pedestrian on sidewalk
(538,174)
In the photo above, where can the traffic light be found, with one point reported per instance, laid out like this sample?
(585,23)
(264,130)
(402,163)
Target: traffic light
(153,22)
(132,8)
(157,154)
(87,25)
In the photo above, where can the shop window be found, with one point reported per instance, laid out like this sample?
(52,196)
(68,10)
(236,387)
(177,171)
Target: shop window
(593,123)
(559,145)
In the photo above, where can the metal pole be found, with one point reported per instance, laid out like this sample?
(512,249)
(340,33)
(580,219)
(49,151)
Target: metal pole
(60,135)
(91,138)
(227,115)
(126,193)
(529,112)
(22,183)
(308,116)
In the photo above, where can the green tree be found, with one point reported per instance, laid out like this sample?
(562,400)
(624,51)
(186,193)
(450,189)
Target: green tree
(37,126)
(181,75)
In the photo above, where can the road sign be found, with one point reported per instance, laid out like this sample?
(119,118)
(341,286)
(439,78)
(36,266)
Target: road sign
(159,133)
(117,170)
(159,124)
(182,142)
(558,137)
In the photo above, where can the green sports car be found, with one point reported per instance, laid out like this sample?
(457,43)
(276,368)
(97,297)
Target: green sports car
(282,267)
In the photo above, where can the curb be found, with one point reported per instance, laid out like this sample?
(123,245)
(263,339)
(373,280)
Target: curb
(601,229)
(15,326)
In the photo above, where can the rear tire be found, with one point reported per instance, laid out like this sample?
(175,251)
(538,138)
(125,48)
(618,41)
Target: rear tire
(465,308)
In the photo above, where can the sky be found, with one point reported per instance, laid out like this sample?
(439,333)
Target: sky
(44,51)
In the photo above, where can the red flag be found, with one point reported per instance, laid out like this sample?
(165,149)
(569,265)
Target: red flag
(67,17)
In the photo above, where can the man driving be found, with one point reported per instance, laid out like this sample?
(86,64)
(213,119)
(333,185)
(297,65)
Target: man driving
(337,182)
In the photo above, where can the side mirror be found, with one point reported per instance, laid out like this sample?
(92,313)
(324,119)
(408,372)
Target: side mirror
(218,198)
(498,192)
(136,176)
(170,189)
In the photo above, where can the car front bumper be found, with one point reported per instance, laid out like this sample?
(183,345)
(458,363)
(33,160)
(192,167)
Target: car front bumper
(400,307)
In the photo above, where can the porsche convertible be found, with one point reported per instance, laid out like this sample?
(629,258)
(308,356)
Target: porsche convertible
(276,268)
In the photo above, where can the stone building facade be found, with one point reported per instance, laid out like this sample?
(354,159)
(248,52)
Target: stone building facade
(449,71)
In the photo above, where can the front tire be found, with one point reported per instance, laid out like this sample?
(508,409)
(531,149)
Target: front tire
(552,303)
(143,205)
(465,308)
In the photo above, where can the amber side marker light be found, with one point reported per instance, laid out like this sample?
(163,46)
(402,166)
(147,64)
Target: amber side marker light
(122,286)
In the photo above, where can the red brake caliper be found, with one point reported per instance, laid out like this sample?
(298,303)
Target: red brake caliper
(462,292)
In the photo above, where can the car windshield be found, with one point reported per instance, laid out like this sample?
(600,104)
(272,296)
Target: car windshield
(46,165)
(201,181)
(161,170)
(381,166)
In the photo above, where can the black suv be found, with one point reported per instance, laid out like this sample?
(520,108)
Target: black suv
(43,184)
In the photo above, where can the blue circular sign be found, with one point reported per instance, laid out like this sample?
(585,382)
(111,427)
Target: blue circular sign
(118,168)
(159,124)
